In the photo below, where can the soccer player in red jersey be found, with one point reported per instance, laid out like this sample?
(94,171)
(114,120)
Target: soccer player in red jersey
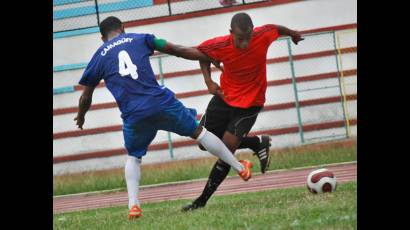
(233,110)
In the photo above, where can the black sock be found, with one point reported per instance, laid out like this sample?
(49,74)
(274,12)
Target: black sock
(217,175)
(250,142)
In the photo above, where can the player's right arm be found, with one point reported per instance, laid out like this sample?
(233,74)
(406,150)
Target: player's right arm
(213,87)
(84,105)
(90,79)
(216,56)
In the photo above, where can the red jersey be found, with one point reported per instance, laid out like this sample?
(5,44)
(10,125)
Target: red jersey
(243,81)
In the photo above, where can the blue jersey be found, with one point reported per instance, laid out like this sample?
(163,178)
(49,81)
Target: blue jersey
(123,63)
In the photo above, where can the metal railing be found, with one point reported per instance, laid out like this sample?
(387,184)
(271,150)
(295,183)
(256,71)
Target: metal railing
(72,15)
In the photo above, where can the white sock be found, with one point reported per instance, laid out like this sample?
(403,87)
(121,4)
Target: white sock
(216,147)
(132,178)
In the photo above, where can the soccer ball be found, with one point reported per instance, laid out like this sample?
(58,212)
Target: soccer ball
(321,180)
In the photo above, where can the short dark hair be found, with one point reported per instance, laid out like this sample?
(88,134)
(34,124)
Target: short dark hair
(242,20)
(110,24)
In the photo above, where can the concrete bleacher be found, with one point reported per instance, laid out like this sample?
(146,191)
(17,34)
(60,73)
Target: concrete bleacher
(100,145)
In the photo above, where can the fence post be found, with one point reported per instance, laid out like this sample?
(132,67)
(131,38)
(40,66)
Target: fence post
(340,77)
(169,8)
(295,89)
(97,12)
(161,77)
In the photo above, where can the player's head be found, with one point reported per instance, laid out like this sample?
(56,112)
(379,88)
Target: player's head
(111,27)
(241,29)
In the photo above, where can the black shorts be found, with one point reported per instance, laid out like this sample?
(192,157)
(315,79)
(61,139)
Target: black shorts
(221,117)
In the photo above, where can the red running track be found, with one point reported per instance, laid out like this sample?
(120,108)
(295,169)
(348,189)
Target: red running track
(189,190)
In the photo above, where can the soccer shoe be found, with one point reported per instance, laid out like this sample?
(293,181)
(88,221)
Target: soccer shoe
(227,2)
(135,212)
(263,153)
(246,173)
(191,207)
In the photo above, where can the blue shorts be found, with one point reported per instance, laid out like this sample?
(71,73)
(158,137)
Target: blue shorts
(175,118)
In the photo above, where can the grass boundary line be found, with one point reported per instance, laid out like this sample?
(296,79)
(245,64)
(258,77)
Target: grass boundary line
(199,179)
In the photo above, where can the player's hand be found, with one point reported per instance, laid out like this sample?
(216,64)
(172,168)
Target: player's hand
(80,121)
(214,89)
(297,37)
(217,64)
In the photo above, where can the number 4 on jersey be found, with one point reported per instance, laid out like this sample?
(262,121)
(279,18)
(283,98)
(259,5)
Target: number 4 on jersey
(125,65)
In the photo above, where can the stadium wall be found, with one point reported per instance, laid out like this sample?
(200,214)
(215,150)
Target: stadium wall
(299,15)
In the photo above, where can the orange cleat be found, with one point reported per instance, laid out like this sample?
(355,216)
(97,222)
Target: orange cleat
(135,212)
(246,173)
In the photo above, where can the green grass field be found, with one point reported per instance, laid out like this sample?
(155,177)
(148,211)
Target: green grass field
(200,168)
(291,208)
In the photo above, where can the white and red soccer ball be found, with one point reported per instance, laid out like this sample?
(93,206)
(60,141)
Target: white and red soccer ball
(321,181)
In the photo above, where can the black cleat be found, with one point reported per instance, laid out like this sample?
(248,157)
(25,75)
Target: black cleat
(263,152)
(191,207)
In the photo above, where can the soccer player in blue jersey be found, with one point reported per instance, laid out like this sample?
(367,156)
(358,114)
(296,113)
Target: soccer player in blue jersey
(146,107)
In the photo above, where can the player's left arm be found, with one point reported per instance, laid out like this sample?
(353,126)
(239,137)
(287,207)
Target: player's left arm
(190,53)
(84,105)
(295,35)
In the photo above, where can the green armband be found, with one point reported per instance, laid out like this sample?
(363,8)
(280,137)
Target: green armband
(159,43)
